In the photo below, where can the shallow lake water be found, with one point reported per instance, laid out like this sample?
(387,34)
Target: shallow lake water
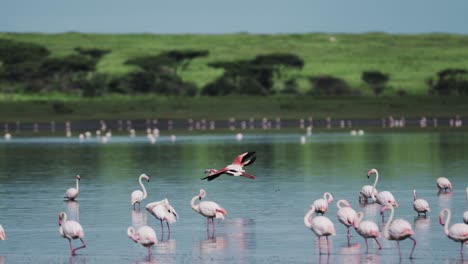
(265,216)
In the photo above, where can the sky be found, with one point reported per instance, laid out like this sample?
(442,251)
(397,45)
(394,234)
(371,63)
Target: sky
(220,16)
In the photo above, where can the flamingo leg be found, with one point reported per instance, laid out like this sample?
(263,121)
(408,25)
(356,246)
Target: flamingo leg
(82,246)
(414,245)
(318,245)
(149,251)
(213,224)
(367,246)
(328,246)
(168,227)
(399,251)
(461,250)
(378,243)
(71,248)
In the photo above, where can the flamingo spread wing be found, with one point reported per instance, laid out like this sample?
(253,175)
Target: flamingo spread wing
(245,159)
(215,174)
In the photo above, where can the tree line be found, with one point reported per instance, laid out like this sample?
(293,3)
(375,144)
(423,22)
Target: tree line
(30,68)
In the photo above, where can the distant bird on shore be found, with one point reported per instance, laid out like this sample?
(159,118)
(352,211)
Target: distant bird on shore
(144,235)
(457,232)
(208,209)
(420,205)
(71,230)
(443,184)
(320,225)
(234,169)
(72,193)
(137,195)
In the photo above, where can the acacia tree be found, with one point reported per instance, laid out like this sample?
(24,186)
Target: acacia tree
(376,80)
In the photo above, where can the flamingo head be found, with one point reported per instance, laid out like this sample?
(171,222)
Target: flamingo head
(146,177)
(131,234)
(78,177)
(210,171)
(441,218)
(202,194)
(62,216)
(369,173)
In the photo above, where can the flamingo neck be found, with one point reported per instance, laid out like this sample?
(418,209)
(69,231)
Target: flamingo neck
(358,219)
(131,234)
(194,206)
(308,217)
(387,225)
(77,185)
(447,221)
(338,204)
(375,184)
(330,197)
(414,195)
(142,187)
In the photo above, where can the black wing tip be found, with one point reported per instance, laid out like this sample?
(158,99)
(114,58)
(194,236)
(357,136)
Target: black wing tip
(249,158)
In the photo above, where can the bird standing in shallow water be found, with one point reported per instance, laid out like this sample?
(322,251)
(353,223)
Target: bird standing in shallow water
(72,193)
(163,211)
(443,184)
(321,205)
(234,169)
(398,230)
(144,235)
(367,229)
(71,230)
(420,205)
(320,225)
(208,209)
(458,232)
(346,215)
(137,195)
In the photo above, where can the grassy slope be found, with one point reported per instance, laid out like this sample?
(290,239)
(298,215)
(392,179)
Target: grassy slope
(409,59)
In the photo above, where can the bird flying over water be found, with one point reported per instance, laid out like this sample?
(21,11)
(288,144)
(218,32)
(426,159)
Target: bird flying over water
(234,169)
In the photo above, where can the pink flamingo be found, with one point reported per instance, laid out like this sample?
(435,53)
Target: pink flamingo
(420,205)
(71,230)
(72,193)
(398,230)
(345,214)
(2,233)
(443,184)
(208,209)
(234,169)
(465,215)
(321,205)
(137,195)
(367,229)
(163,211)
(320,225)
(458,232)
(367,191)
(384,197)
(144,235)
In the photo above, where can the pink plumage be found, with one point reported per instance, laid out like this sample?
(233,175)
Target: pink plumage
(345,215)
(321,205)
(320,225)
(208,209)
(366,229)
(457,232)
(398,229)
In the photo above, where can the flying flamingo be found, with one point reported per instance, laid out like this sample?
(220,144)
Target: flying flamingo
(163,211)
(71,230)
(208,209)
(420,205)
(321,205)
(320,225)
(367,229)
(443,184)
(465,215)
(398,229)
(137,195)
(72,193)
(458,232)
(144,235)
(345,214)
(2,233)
(234,169)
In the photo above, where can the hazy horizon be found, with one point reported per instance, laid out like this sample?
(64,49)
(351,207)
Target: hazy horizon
(242,16)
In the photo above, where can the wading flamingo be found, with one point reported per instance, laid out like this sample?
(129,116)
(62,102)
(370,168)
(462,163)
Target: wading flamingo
(2,233)
(465,215)
(163,211)
(420,205)
(137,195)
(144,235)
(321,205)
(443,184)
(384,197)
(208,209)
(367,229)
(345,214)
(320,225)
(398,230)
(234,169)
(458,232)
(367,191)
(71,230)
(72,193)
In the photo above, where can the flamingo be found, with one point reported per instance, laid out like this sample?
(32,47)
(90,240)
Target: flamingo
(465,215)
(398,229)
(2,233)
(144,235)
(208,209)
(234,169)
(384,197)
(366,192)
(72,193)
(71,230)
(420,205)
(458,232)
(163,211)
(320,225)
(443,184)
(137,195)
(345,214)
(367,229)
(321,205)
